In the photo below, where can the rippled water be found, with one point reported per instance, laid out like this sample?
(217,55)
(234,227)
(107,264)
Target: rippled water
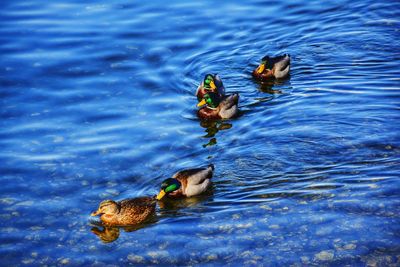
(97,101)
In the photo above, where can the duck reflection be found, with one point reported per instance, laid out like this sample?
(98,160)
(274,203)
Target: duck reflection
(212,128)
(183,207)
(266,87)
(108,234)
(168,205)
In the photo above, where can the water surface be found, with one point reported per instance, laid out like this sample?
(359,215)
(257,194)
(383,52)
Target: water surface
(97,102)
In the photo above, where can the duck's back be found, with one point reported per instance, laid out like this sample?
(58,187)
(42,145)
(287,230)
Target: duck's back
(136,210)
(195,181)
(185,174)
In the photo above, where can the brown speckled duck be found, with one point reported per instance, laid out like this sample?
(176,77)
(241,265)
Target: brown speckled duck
(273,68)
(211,83)
(125,212)
(187,183)
(215,107)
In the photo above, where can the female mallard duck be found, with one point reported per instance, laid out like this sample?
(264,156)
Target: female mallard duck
(211,83)
(273,68)
(187,183)
(217,107)
(125,212)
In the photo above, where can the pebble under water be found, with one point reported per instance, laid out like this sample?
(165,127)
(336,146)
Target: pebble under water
(97,102)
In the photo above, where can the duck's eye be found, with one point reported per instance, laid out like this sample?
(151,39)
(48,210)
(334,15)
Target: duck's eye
(207,81)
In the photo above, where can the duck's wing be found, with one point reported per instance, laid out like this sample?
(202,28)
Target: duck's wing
(135,210)
(281,66)
(194,176)
(282,73)
(197,189)
(229,106)
(230,101)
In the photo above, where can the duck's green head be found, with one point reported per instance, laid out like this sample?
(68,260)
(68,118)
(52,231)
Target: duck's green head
(209,82)
(263,65)
(210,99)
(168,185)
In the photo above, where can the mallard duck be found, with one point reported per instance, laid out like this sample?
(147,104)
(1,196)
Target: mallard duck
(125,212)
(187,183)
(211,83)
(218,108)
(273,68)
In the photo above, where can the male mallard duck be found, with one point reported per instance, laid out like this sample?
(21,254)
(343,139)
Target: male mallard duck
(271,68)
(211,83)
(187,183)
(218,108)
(125,212)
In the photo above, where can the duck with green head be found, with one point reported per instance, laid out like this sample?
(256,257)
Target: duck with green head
(126,212)
(187,183)
(273,68)
(210,83)
(213,107)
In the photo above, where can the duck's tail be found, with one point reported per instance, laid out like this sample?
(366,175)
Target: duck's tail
(211,166)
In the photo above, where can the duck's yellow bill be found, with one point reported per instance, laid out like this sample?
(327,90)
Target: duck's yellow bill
(212,85)
(161,195)
(261,68)
(94,213)
(201,103)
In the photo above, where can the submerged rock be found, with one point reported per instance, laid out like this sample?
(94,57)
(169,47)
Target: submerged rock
(135,258)
(326,255)
(349,246)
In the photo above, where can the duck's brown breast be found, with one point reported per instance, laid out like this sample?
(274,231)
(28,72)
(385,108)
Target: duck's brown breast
(200,93)
(109,220)
(208,113)
(265,75)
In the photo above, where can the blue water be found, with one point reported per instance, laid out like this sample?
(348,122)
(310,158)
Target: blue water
(97,102)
